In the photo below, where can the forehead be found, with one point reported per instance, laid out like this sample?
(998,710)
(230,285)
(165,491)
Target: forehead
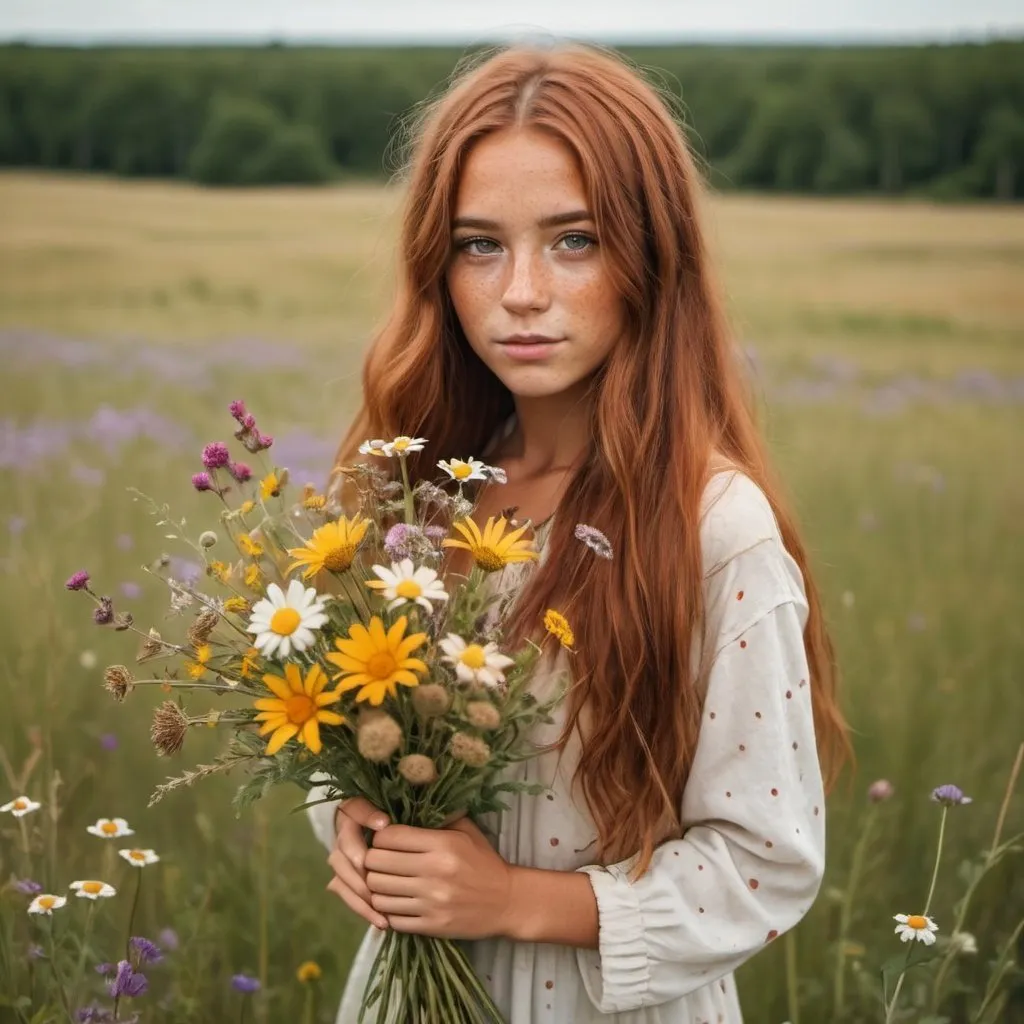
(516,169)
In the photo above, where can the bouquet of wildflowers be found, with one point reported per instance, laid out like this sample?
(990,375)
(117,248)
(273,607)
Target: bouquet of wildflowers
(337,657)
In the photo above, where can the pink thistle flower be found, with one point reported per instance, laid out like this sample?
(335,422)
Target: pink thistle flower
(237,410)
(880,790)
(216,455)
(202,482)
(78,581)
(240,471)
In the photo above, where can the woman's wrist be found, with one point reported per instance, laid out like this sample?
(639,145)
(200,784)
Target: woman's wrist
(550,906)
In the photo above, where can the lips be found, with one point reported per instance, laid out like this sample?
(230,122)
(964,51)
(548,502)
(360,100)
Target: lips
(528,339)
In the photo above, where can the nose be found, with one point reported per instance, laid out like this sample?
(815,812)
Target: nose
(527,289)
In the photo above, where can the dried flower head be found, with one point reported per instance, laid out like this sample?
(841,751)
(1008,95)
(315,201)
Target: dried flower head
(378,736)
(594,539)
(119,681)
(152,647)
(950,796)
(104,613)
(483,714)
(170,724)
(470,750)
(123,621)
(431,700)
(880,790)
(417,769)
(207,539)
(202,626)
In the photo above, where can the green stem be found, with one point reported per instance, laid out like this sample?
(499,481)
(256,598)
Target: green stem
(410,508)
(846,911)
(56,974)
(131,916)
(938,858)
(86,933)
(309,1010)
(891,1008)
(792,994)
(264,908)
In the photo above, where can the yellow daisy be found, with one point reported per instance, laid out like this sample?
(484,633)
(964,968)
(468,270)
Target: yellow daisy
(493,549)
(252,548)
(197,668)
(246,507)
(297,708)
(308,971)
(253,577)
(558,626)
(376,661)
(333,546)
(270,487)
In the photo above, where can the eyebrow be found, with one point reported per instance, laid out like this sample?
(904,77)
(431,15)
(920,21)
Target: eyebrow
(556,219)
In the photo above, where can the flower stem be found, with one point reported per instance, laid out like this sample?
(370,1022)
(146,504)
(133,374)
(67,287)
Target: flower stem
(938,858)
(264,951)
(846,911)
(410,509)
(56,974)
(86,934)
(792,995)
(891,1009)
(131,916)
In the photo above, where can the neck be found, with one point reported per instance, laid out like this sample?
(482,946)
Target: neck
(551,433)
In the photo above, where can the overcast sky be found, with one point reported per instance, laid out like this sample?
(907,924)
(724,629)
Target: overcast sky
(480,20)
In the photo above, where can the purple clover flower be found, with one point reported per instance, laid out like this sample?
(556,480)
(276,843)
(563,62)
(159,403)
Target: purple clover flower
(237,409)
(248,422)
(148,952)
(78,581)
(168,938)
(129,983)
(245,983)
(398,541)
(202,482)
(27,887)
(240,471)
(216,455)
(950,796)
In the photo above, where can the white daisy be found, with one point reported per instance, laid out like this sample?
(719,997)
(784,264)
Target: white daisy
(403,445)
(284,622)
(139,858)
(374,447)
(916,926)
(110,828)
(93,890)
(46,904)
(404,582)
(461,471)
(475,663)
(20,806)
(497,474)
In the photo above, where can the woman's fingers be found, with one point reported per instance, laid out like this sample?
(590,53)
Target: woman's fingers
(361,811)
(344,869)
(351,842)
(355,903)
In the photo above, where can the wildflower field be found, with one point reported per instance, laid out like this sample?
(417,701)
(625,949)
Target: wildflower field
(887,345)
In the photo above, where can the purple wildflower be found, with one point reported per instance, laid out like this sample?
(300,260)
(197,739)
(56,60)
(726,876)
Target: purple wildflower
(94,1014)
(245,983)
(128,983)
(105,968)
(27,887)
(398,541)
(436,533)
(202,482)
(131,589)
(78,581)
(237,409)
(104,614)
(950,795)
(168,938)
(880,790)
(240,471)
(148,952)
(248,422)
(216,455)
(108,741)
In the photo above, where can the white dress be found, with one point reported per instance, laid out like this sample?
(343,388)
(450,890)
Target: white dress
(751,858)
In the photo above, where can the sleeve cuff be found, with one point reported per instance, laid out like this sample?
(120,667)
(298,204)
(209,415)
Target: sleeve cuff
(617,974)
(321,816)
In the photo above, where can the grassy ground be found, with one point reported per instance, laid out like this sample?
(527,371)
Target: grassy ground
(887,343)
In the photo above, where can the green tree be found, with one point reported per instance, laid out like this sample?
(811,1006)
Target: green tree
(236,135)
(1000,151)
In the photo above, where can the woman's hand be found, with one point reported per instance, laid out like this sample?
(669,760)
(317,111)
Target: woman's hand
(447,883)
(348,858)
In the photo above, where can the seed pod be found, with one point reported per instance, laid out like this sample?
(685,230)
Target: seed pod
(417,769)
(378,736)
(483,714)
(470,750)
(431,700)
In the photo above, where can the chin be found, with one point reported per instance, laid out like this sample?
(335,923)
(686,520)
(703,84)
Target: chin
(535,385)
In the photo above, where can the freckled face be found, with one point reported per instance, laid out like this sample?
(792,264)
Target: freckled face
(526,260)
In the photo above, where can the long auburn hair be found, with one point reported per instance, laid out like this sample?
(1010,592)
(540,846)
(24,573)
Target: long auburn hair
(669,394)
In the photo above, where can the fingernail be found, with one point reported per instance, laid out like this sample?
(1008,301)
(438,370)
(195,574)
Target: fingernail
(378,822)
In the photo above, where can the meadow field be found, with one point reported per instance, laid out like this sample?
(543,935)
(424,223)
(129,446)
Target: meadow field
(886,343)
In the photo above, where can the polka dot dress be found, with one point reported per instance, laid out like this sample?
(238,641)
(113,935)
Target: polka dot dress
(751,858)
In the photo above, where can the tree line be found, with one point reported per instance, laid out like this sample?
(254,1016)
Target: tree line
(943,121)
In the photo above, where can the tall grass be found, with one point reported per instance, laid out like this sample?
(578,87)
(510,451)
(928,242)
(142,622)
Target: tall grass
(886,346)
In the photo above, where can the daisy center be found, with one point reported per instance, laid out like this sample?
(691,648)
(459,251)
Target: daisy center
(137,855)
(108,828)
(409,589)
(285,621)
(46,902)
(92,888)
(400,444)
(488,559)
(299,709)
(338,559)
(460,470)
(380,665)
(473,657)
(917,922)
(20,805)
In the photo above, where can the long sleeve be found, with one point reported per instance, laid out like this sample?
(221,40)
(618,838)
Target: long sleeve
(321,816)
(751,857)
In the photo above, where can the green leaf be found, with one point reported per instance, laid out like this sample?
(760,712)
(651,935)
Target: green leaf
(899,963)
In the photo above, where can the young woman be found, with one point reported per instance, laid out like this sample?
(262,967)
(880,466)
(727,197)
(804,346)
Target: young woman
(556,314)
